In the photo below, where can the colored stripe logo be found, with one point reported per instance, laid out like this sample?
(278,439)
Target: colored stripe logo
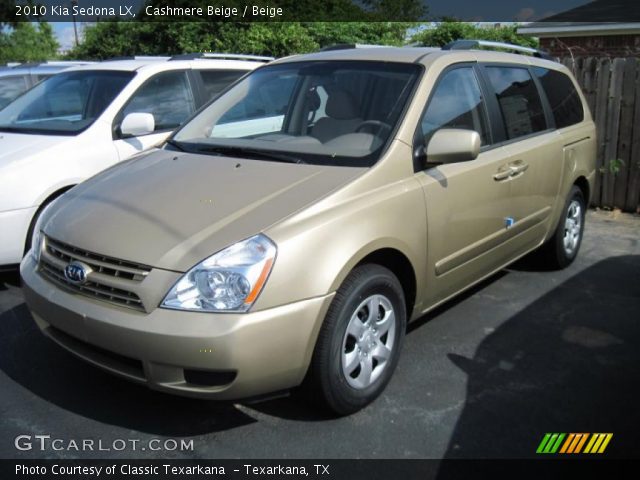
(574,443)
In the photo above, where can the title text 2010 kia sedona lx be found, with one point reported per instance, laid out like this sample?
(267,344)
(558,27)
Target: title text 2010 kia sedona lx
(291,229)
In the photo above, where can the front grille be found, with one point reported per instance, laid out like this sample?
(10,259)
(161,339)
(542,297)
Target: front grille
(99,263)
(105,270)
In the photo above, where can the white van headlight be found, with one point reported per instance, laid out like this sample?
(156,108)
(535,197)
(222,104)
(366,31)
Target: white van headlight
(228,281)
(36,241)
(37,237)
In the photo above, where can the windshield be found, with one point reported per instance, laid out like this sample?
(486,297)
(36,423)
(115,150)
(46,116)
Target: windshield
(64,104)
(330,112)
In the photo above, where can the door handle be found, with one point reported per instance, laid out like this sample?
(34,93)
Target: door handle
(510,170)
(517,168)
(502,174)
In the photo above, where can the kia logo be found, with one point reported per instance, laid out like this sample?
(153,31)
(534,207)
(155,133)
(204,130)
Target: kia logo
(76,272)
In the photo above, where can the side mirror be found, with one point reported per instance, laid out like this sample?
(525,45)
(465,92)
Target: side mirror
(451,145)
(136,124)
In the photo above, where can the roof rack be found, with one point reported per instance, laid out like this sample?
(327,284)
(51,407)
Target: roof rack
(347,46)
(471,44)
(136,57)
(221,56)
(53,63)
(65,63)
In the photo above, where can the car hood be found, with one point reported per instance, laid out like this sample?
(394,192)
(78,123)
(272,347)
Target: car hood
(18,146)
(171,210)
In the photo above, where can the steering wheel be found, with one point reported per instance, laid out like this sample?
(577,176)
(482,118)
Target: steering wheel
(374,123)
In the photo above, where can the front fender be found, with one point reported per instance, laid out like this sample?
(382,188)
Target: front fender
(316,251)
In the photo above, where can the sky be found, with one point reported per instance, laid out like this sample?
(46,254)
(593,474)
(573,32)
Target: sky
(476,10)
(64,34)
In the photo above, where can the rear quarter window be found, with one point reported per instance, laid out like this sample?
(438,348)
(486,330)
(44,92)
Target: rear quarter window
(10,88)
(518,99)
(38,77)
(215,81)
(562,95)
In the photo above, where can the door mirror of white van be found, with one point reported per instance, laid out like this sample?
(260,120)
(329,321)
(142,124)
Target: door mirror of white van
(450,145)
(136,124)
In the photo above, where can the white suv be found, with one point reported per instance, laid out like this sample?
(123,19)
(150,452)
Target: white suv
(79,122)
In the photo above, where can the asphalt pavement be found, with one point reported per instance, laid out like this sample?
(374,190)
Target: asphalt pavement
(485,376)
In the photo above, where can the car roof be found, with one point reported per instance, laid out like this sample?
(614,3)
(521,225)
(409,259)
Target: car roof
(161,63)
(369,53)
(409,54)
(42,67)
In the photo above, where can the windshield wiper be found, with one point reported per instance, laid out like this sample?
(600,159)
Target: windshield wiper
(250,152)
(175,144)
(32,130)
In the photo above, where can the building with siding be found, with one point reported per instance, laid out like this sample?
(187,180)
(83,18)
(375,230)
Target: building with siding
(593,29)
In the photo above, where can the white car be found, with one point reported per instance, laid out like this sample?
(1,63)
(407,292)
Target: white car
(79,122)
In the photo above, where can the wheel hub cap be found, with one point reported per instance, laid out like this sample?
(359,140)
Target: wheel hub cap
(572,227)
(368,341)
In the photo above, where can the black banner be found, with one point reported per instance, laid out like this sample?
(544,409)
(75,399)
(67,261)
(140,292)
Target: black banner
(557,11)
(316,469)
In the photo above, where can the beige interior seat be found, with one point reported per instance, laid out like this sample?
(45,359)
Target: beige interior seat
(342,116)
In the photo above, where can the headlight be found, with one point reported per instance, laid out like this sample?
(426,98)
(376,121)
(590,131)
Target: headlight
(230,280)
(36,241)
(37,237)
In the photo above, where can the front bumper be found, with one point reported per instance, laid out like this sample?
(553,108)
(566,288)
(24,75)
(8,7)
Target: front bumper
(241,355)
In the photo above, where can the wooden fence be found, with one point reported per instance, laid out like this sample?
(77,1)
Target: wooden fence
(612,89)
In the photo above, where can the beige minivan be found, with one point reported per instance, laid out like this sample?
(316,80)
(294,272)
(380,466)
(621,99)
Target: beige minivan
(292,228)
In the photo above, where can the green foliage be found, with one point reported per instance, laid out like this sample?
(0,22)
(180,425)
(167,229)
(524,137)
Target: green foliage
(274,39)
(25,42)
(149,35)
(116,38)
(448,31)
(613,166)
(381,33)
(113,39)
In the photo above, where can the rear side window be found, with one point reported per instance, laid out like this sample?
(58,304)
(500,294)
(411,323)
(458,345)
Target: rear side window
(456,103)
(215,81)
(562,95)
(519,101)
(38,77)
(167,96)
(10,88)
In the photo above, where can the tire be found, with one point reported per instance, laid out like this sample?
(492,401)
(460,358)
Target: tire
(356,352)
(562,249)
